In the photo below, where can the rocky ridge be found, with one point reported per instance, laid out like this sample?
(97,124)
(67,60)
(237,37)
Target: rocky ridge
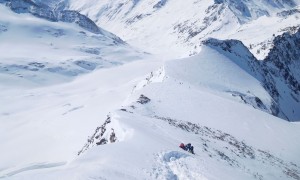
(278,72)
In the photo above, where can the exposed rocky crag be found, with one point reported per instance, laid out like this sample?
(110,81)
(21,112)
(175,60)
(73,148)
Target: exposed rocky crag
(102,135)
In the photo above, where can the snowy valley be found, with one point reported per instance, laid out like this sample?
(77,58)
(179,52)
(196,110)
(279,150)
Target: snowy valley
(109,89)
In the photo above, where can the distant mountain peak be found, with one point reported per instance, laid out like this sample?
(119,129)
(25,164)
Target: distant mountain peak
(43,11)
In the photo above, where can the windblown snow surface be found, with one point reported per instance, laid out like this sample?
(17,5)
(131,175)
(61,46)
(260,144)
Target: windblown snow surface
(150,115)
(75,105)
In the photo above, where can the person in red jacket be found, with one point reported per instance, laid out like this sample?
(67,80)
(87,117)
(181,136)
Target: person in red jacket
(182,146)
(187,147)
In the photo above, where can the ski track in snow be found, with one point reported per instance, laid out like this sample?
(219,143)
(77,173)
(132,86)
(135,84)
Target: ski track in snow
(33,167)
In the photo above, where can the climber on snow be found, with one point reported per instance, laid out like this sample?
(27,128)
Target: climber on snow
(188,147)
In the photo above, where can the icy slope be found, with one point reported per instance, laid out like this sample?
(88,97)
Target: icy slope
(184,101)
(39,51)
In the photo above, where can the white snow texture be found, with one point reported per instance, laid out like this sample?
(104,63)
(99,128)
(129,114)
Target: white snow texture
(80,105)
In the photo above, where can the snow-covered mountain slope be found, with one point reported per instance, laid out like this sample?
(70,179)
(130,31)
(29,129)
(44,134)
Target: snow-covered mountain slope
(258,35)
(46,126)
(278,73)
(183,101)
(36,50)
(151,24)
(75,103)
(43,11)
(38,58)
(154,25)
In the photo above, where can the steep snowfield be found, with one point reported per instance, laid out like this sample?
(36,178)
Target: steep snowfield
(183,101)
(37,50)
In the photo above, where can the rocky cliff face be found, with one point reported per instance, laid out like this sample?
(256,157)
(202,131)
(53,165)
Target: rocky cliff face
(283,63)
(288,13)
(45,12)
(284,59)
(278,72)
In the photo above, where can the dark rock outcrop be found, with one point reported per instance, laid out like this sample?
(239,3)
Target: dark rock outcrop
(283,59)
(101,136)
(287,13)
